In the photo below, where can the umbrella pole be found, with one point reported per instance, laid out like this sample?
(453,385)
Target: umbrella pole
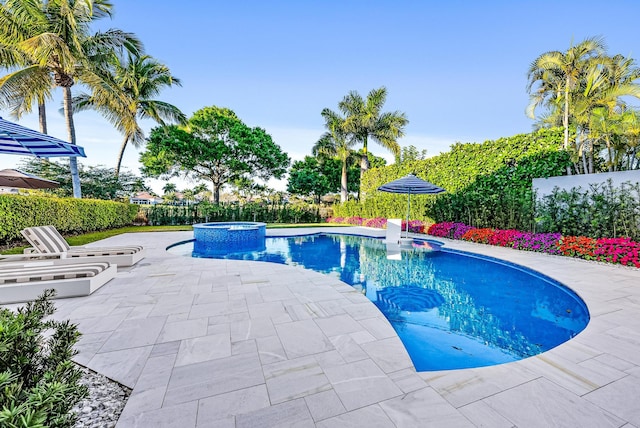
(406,232)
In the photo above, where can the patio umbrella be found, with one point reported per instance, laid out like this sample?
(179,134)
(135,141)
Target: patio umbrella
(18,140)
(23,180)
(411,184)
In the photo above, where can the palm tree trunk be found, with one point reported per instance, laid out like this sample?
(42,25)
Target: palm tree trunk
(42,120)
(73,161)
(343,182)
(364,166)
(42,117)
(121,155)
(565,119)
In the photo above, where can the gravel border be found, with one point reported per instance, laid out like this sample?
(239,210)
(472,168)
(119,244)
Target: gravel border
(104,403)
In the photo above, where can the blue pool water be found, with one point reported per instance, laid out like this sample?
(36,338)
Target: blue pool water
(451,310)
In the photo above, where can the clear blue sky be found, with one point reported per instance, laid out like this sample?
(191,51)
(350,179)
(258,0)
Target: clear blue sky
(456,68)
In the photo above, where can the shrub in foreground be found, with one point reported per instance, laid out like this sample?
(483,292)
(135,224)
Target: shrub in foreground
(39,384)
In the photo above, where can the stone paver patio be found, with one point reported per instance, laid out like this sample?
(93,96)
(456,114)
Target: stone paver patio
(212,343)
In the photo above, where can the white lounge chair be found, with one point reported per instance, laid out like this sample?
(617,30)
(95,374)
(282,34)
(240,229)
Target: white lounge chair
(46,240)
(22,280)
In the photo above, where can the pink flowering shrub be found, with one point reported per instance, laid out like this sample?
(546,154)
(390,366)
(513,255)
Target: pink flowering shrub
(539,242)
(458,230)
(504,238)
(356,221)
(618,250)
(449,230)
(440,229)
(415,226)
(377,222)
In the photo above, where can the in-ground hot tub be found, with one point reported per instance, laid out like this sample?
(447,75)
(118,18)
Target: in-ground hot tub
(228,237)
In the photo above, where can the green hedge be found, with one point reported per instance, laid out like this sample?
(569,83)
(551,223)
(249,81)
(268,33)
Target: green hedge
(207,212)
(488,184)
(68,215)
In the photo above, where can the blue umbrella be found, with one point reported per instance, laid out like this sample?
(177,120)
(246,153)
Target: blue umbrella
(18,140)
(411,184)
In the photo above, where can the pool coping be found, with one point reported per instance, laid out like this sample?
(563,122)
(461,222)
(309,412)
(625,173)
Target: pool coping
(206,342)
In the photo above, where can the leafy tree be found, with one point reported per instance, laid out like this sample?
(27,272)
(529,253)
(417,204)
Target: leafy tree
(246,189)
(98,182)
(215,146)
(137,79)
(54,38)
(364,120)
(411,154)
(307,178)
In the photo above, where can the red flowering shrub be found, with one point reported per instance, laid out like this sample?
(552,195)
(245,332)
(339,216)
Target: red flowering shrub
(578,246)
(478,235)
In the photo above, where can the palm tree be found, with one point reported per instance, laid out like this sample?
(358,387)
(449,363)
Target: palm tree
(61,44)
(334,142)
(169,188)
(26,83)
(364,119)
(135,80)
(599,104)
(558,75)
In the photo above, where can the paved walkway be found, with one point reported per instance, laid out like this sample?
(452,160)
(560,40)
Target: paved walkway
(212,343)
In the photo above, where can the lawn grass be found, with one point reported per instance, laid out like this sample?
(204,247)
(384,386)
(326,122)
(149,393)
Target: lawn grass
(87,238)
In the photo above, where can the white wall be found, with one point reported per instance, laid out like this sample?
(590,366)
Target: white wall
(544,186)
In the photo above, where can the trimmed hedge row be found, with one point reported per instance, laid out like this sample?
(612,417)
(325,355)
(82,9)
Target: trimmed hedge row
(68,215)
(206,212)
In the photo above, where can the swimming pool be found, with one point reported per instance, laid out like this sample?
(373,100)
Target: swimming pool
(451,309)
